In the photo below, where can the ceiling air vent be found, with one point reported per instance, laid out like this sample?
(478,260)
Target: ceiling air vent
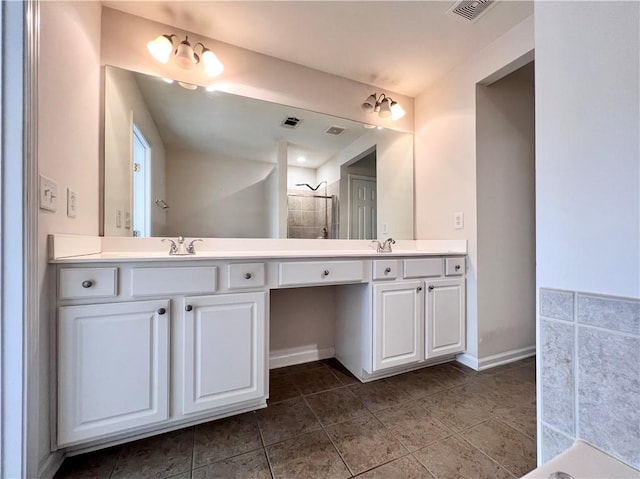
(291,122)
(471,9)
(335,130)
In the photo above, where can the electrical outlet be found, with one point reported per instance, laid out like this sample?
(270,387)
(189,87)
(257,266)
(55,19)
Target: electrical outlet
(72,203)
(458,220)
(127,220)
(385,228)
(118,218)
(48,194)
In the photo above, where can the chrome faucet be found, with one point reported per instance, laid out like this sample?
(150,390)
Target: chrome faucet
(384,247)
(179,248)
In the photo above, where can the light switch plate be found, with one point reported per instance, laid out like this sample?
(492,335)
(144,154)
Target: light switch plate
(72,203)
(127,220)
(48,194)
(118,218)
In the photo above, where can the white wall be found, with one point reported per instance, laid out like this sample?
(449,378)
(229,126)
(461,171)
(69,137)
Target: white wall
(68,150)
(216,197)
(587,127)
(297,174)
(445,152)
(505,135)
(125,106)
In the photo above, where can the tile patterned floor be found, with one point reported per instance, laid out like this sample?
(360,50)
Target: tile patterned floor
(442,422)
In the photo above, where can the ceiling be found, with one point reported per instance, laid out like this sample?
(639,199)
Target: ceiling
(400,46)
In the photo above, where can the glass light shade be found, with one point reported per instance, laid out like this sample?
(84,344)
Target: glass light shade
(370,103)
(184,56)
(188,86)
(385,108)
(212,65)
(160,48)
(397,111)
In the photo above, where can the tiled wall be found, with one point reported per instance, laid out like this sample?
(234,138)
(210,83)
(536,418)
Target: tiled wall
(589,356)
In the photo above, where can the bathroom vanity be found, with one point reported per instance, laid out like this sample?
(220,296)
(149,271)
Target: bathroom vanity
(148,342)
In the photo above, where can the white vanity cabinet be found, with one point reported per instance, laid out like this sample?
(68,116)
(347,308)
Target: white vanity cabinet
(223,351)
(398,324)
(445,317)
(113,371)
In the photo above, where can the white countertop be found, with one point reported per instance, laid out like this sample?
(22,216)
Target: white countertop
(95,249)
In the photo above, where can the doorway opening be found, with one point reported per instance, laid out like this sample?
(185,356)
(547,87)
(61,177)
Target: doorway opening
(141,190)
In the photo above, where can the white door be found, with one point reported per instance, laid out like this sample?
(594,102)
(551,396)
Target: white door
(398,318)
(445,331)
(224,350)
(141,185)
(363,210)
(112,368)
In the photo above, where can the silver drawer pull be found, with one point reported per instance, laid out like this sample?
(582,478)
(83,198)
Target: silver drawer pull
(161,311)
(431,288)
(188,307)
(457,268)
(326,272)
(387,270)
(87,284)
(247,276)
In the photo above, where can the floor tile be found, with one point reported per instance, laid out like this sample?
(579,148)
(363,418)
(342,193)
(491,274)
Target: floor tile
(156,457)
(311,456)
(406,467)
(335,406)
(342,373)
(448,375)
(94,465)
(413,425)
(224,438)
(364,443)
(282,388)
(296,368)
(252,465)
(378,395)
(453,458)
(316,380)
(512,449)
(416,384)
(459,408)
(285,420)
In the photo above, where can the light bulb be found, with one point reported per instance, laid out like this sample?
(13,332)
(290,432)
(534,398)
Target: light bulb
(370,103)
(160,48)
(385,108)
(212,65)
(184,55)
(397,111)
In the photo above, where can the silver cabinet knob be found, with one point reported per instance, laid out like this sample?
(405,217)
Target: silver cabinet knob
(326,272)
(419,288)
(87,284)
(247,276)
(387,270)
(161,311)
(457,268)
(430,288)
(188,307)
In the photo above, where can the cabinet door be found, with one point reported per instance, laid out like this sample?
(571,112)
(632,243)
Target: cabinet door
(224,350)
(112,368)
(398,318)
(446,329)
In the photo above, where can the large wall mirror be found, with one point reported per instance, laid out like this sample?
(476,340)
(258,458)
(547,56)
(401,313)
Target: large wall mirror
(198,163)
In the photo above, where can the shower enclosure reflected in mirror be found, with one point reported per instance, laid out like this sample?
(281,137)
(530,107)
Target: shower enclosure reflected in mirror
(213,164)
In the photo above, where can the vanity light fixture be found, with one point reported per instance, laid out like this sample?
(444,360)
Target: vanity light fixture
(185,55)
(384,106)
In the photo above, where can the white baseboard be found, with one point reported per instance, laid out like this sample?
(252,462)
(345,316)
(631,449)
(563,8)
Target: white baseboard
(291,356)
(50,465)
(495,360)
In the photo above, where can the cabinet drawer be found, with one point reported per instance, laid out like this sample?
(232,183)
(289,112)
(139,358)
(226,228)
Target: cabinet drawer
(423,267)
(246,275)
(78,283)
(386,269)
(169,281)
(320,272)
(454,266)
